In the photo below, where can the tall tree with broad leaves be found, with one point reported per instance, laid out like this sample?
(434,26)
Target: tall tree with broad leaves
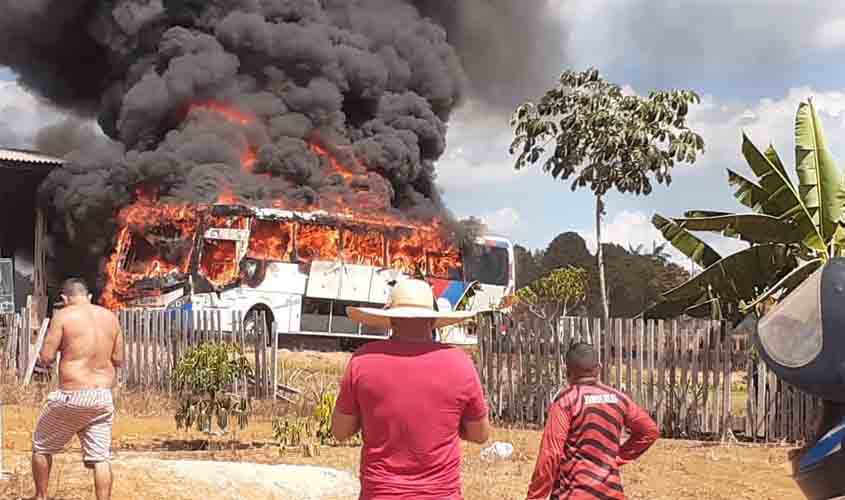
(791,229)
(606,139)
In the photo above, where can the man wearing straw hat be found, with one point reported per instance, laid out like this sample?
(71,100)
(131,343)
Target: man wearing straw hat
(412,399)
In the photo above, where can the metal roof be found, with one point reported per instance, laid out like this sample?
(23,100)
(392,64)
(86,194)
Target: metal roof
(23,156)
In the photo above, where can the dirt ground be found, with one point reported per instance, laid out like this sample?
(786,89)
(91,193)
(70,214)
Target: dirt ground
(146,443)
(672,470)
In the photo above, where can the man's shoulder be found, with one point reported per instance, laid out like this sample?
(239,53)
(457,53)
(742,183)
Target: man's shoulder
(444,353)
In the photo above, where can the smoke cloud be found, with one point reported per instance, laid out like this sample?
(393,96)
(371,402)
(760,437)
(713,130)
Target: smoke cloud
(372,82)
(511,50)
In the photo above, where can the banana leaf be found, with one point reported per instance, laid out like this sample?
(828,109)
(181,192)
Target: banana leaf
(703,309)
(753,196)
(820,181)
(772,176)
(753,228)
(671,308)
(700,252)
(788,283)
(739,276)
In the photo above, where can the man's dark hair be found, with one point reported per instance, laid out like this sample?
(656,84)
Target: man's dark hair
(582,358)
(74,287)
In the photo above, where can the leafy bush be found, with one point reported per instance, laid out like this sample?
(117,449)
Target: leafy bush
(307,431)
(204,378)
(323,416)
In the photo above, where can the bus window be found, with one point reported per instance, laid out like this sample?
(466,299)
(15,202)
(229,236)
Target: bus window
(218,262)
(487,265)
(317,242)
(406,253)
(445,266)
(158,252)
(271,240)
(363,246)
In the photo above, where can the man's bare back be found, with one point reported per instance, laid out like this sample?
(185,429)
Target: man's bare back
(91,344)
(89,338)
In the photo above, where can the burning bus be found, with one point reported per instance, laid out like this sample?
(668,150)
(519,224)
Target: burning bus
(300,268)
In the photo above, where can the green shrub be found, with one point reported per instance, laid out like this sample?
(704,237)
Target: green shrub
(204,378)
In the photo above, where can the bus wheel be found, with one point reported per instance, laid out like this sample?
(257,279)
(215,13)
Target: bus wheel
(252,319)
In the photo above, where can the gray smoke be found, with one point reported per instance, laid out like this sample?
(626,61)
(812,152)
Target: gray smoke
(372,81)
(512,50)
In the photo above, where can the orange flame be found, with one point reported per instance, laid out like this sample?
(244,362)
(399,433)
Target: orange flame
(230,113)
(139,253)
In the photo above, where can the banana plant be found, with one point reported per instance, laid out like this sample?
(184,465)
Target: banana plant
(791,229)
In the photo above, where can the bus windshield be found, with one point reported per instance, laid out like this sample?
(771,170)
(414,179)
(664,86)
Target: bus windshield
(487,265)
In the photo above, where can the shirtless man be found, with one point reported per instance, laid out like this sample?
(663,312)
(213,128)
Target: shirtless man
(91,343)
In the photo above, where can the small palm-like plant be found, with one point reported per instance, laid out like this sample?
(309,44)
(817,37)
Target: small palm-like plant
(204,378)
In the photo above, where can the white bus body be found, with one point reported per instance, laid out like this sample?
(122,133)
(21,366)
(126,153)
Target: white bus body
(311,299)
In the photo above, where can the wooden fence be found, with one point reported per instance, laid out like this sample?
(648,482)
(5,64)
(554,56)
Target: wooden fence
(18,334)
(689,374)
(156,340)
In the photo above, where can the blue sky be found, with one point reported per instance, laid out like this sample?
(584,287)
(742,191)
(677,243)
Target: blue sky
(751,61)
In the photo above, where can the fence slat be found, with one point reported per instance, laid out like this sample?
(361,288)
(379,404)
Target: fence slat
(694,415)
(512,415)
(557,332)
(617,324)
(726,368)
(661,374)
(706,366)
(650,353)
(274,357)
(597,340)
(640,352)
(219,315)
(718,404)
(156,334)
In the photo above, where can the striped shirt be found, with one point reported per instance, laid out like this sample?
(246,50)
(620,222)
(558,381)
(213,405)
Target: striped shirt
(580,453)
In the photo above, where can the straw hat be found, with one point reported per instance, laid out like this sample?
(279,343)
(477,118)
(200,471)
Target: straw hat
(409,299)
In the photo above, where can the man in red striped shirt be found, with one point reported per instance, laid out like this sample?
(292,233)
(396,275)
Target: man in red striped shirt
(580,453)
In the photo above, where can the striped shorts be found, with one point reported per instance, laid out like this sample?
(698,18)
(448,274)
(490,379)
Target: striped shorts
(88,414)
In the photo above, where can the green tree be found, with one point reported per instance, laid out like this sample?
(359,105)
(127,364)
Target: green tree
(554,294)
(605,139)
(791,229)
(203,378)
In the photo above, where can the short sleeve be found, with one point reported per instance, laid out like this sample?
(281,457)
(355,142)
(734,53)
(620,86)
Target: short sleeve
(476,407)
(347,400)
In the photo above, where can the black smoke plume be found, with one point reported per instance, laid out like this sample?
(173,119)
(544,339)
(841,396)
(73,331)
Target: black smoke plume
(371,81)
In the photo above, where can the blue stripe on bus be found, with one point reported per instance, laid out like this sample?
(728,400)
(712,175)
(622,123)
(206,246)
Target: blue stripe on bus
(454,291)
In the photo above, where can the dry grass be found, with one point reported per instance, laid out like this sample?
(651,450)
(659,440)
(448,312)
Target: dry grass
(673,470)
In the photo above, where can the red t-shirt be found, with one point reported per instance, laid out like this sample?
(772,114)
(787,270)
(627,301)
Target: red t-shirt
(411,398)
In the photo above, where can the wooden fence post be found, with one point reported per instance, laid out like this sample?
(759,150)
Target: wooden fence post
(274,360)
(39,341)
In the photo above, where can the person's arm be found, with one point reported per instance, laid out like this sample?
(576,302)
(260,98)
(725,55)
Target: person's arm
(547,469)
(117,350)
(643,433)
(346,420)
(475,422)
(52,341)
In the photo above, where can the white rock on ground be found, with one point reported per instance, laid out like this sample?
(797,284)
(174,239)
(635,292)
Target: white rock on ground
(242,480)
